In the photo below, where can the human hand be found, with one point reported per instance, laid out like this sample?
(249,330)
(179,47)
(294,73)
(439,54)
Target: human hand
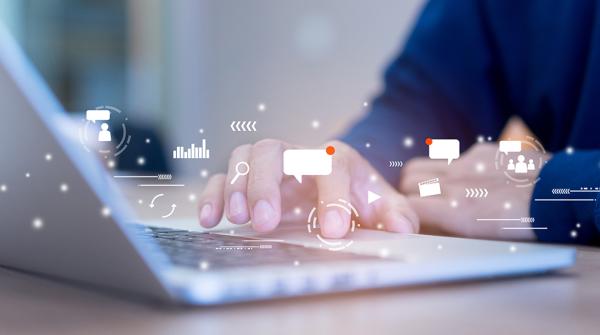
(454,214)
(266,196)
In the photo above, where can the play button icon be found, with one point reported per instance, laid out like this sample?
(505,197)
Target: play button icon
(372,196)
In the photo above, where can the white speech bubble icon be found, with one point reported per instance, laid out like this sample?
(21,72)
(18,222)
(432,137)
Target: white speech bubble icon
(444,149)
(307,162)
(97,115)
(510,146)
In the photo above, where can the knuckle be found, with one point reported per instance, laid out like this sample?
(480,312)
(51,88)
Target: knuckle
(268,143)
(240,150)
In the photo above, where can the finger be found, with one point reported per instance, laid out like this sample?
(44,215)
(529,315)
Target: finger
(266,173)
(396,215)
(334,221)
(236,203)
(210,206)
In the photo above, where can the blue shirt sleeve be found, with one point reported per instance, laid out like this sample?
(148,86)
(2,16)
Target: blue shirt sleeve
(445,84)
(576,219)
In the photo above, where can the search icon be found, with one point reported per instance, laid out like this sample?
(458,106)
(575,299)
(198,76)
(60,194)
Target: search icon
(241,169)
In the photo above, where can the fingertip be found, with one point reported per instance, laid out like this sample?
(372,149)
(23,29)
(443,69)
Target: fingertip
(333,224)
(206,216)
(264,217)
(238,209)
(399,224)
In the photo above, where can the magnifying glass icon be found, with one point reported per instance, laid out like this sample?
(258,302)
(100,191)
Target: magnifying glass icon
(241,169)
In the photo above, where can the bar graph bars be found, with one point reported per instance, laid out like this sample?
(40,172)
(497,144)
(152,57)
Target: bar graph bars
(193,152)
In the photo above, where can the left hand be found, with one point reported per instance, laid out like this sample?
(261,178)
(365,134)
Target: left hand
(451,213)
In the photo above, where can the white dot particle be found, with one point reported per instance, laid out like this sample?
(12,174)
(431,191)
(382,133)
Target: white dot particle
(27,174)
(297,210)
(232,232)
(201,130)
(573,233)
(3,188)
(578,225)
(37,223)
(384,252)
(192,197)
(140,201)
(141,161)
(315,124)
(379,226)
(453,203)
(373,178)
(512,248)
(507,205)
(261,107)
(440,247)
(408,142)
(569,150)
(296,263)
(48,157)
(64,188)
(147,141)
(367,145)
(480,167)
(105,212)
(480,139)
(489,138)
(204,173)
(111,164)
(365,104)
(204,265)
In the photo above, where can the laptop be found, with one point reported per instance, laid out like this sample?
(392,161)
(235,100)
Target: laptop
(89,235)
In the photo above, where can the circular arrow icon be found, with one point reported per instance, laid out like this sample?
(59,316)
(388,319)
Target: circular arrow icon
(152,205)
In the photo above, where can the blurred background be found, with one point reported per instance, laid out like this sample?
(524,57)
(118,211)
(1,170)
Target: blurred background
(183,70)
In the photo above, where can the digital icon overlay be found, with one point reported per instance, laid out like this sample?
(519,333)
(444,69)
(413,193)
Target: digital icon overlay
(372,197)
(519,160)
(447,149)
(308,162)
(152,205)
(313,227)
(193,152)
(241,169)
(243,126)
(430,188)
(96,134)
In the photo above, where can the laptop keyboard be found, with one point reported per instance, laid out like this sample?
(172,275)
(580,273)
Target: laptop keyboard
(198,250)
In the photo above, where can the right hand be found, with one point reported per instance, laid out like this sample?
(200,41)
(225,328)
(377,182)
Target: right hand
(266,196)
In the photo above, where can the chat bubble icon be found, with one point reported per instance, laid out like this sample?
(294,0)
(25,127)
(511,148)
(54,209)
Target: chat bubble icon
(510,146)
(443,149)
(307,162)
(97,115)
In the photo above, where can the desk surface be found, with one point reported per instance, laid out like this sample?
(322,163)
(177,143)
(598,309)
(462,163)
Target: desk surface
(566,303)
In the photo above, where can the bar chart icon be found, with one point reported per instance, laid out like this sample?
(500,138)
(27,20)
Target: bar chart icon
(193,152)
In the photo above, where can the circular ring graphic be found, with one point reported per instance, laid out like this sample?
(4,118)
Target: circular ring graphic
(103,141)
(313,226)
(530,147)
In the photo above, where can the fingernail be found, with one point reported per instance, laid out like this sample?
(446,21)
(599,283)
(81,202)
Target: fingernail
(264,215)
(237,208)
(205,214)
(333,225)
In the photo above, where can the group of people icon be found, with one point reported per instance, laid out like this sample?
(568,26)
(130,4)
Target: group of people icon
(520,166)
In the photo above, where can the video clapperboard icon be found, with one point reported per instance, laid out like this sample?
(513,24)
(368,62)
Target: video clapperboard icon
(430,187)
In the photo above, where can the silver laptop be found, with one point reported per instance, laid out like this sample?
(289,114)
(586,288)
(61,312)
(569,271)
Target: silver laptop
(85,235)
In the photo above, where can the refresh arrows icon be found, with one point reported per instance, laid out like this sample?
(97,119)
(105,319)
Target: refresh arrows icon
(152,205)
(173,206)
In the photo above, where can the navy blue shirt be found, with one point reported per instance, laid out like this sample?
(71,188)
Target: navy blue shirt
(470,65)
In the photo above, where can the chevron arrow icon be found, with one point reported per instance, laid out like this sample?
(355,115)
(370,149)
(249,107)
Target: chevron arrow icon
(243,126)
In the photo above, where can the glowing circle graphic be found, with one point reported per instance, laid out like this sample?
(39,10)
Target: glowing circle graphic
(313,228)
